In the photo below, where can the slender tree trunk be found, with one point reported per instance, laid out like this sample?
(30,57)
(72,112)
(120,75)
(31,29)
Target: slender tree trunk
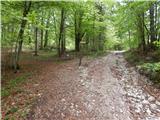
(141,34)
(152,25)
(77,42)
(94,46)
(46,39)
(41,47)
(3,31)
(36,41)
(41,39)
(18,47)
(78,29)
(61,47)
(55,29)
(156,21)
(129,37)
(64,42)
(46,32)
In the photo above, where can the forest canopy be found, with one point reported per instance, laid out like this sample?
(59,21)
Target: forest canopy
(79,25)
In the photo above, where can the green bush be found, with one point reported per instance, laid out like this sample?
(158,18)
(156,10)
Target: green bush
(152,70)
(153,67)
(157,43)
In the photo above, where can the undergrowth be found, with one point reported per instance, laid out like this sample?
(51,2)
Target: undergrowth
(148,64)
(12,85)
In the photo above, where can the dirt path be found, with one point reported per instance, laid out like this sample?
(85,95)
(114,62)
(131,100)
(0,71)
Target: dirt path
(103,89)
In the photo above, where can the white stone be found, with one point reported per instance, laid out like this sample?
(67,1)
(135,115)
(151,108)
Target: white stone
(76,106)
(62,114)
(138,110)
(63,100)
(145,102)
(157,103)
(121,111)
(148,111)
(151,99)
(153,106)
(158,110)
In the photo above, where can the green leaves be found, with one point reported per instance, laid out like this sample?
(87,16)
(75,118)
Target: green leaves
(154,67)
(32,17)
(157,43)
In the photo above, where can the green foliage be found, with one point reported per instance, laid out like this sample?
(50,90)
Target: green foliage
(153,67)
(157,43)
(152,70)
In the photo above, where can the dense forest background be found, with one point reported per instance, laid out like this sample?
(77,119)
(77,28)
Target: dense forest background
(64,30)
(79,26)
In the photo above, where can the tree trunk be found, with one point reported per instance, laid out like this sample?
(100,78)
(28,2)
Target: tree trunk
(46,32)
(93,45)
(61,45)
(55,29)
(18,47)
(41,39)
(41,47)
(36,41)
(129,38)
(46,39)
(2,31)
(142,44)
(77,46)
(156,21)
(152,26)
(78,29)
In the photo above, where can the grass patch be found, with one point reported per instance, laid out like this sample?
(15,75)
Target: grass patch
(42,55)
(13,85)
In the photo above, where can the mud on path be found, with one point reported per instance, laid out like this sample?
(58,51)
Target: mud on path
(102,89)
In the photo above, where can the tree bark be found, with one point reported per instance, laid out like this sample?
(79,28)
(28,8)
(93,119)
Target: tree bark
(152,26)
(18,47)
(141,34)
(93,37)
(41,39)
(78,29)
(36,41)
(41,47)
(61,45)
(46,32)
(46,39)
(129,38)
(55,29)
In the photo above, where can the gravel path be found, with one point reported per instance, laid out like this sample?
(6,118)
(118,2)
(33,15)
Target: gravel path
(102,89)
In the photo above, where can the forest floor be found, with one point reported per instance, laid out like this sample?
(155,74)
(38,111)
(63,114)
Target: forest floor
(104,88)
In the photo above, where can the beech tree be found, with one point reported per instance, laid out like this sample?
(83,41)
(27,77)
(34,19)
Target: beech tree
(18,48)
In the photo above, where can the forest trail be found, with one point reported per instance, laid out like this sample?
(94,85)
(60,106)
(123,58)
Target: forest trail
(105,88)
